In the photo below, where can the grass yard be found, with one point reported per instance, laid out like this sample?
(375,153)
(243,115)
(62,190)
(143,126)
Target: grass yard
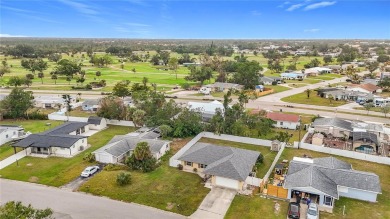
(269,155)
(6,150)
(166,188)
(277,88)
(301,98)
(33,126)
(256,207)
(57,171)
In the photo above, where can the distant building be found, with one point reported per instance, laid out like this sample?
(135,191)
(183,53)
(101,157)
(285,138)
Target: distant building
(286,121)
(292,76)
(91,105)
(220,87)
(207,110)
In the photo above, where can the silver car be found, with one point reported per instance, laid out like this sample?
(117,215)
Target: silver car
(312,211)
(89,171)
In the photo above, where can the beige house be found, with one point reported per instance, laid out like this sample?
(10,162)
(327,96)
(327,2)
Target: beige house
(226,166)
(318,139)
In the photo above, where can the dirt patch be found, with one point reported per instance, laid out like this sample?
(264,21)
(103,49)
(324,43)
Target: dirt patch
(29,164)
(170,205)
(178,143)
(33,179)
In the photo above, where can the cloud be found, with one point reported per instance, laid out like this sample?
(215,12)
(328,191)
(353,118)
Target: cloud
(256,13)
(15,9)
(314,30)
(284,4)
(10,35)
(80,7)
(137,25)
(294,7)
(319,5)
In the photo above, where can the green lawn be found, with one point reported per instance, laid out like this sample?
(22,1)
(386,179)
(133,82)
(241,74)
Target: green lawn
(6,150)
(256,207)
(313,100)
(277,88)
(269,155)
(57,171)
(166,188)
(32,126)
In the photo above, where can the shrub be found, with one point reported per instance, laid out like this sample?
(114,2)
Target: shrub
(260,159)
(88,87)
(123,179)
(89,157)
(114,167)
(195,170)
(186,86)
(180,167)
(274,83)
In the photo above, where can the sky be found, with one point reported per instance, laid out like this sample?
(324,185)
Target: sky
(202,19)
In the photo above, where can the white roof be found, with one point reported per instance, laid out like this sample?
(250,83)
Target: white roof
(206,107)
(302,159)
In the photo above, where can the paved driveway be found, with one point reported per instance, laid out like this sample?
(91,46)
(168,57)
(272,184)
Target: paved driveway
(215,204)
(76,205)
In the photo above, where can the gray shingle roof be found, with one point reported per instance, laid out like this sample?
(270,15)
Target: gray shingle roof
(66,128)
(46,141)
(121,144)
(228,162)
(94,120)
(91,102)
(357,136)
(325,173)
(334,122)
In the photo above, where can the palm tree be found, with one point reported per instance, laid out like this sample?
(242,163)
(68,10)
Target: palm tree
(308,92)
(41,76)
(142,151)
(145,81)
(330,97)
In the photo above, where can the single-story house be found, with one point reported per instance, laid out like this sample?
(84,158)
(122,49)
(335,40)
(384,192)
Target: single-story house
(97,123)
(292,75)
(317,139)
(50,102)
(220,87)
(64,140)
(122,146)
(370,81)
(286,121)
(326,179)
(341,94)
(208,110)
(316,71)
(334,126)
(10,132)
(365,142)
(227,167)
(91,105)
(268,80)
(365,88)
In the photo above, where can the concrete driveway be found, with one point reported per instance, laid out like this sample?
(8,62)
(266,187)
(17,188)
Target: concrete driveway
(215,204)
(76,183)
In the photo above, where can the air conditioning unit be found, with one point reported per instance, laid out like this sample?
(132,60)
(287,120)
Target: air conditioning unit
(81,148)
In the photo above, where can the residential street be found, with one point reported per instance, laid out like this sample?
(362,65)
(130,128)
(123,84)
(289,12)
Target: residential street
(76,205)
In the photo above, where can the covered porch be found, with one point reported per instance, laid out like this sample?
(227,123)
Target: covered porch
(305,197)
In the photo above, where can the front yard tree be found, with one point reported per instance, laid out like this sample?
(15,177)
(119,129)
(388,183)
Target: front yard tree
(141,158)
(368,107)
(328,59)
(14,209)
(385,110)
(199,74)
(283,136)
(15,81)
(247,74)
(17,103)
(330,97)
(112,108)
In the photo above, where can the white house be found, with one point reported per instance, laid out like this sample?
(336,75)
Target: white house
(365,88)
(286,121)
(50,101)
(10,132)
(122,146)
(326,179)
(208,110)
(65,140)
(97,123)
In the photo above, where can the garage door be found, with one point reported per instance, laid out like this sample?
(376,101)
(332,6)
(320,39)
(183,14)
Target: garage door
(102,158)
(225,182)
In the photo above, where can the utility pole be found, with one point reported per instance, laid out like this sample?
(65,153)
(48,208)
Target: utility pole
(300,124)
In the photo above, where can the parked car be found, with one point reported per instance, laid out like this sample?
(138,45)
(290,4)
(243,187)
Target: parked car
(89,171)
(294,210)
(312,211)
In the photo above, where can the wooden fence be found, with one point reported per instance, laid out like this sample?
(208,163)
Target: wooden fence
(276,191)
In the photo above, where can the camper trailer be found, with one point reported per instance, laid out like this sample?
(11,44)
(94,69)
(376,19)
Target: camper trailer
(205,90)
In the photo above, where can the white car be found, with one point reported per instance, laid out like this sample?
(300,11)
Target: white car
(312,211)
(89,171)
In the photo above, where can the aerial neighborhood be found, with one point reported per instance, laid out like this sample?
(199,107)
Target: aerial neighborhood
(197,129)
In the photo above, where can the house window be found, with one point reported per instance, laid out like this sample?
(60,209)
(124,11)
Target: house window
(328,200)
(281,123)
(202,166)
(6,136)
(188,163)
